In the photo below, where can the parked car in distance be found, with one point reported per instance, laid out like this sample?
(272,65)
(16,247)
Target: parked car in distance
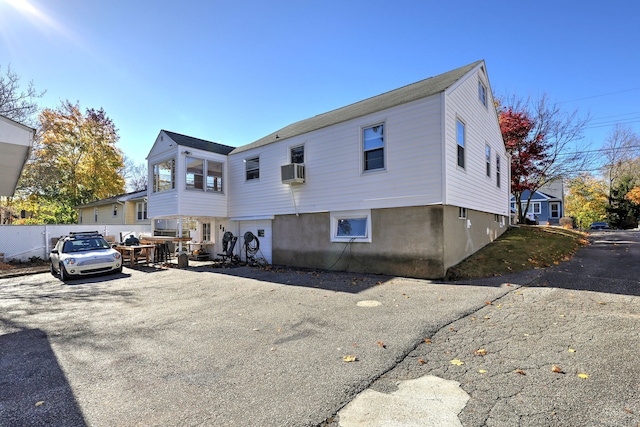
(83,254)
(599,225)
(530,219)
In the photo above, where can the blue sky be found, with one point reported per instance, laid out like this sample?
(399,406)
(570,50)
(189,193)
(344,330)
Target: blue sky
(234,71)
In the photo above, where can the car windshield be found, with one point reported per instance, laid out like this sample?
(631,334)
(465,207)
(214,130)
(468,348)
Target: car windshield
(82,245)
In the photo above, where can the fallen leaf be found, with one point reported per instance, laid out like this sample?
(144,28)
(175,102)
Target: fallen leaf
(602,303)
(350,358)
(482,371)
(628,411)
(571,350)
(421,361)
(40,403)
(480,352)
(557,369)
(583,376)
(488,303)
(520,371)
(457,362)
(473,318)
(427,341)
(381,344)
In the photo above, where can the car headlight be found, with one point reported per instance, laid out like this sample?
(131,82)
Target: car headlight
(70,261)
(117,255)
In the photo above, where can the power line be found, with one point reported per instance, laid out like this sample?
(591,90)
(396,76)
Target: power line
(598,96)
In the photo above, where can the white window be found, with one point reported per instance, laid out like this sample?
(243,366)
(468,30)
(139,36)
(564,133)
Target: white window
(164,176)
(203,175)
(497,171)
(214,176)
(351,226)
(297,154)
(206,232)
(462,213)
(534,207)
(141,211)
(487,153)
(460,138)
(373,147)
(554,209)
(482,93)
(252,168)
(195,173)
(115,210)
(95,214)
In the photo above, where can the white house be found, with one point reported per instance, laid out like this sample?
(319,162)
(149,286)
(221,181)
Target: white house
(409,182)
(16,141)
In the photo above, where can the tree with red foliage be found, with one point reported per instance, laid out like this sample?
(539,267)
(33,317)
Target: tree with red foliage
(541,140)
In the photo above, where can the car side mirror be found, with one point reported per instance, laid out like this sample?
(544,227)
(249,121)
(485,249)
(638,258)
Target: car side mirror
(55,251)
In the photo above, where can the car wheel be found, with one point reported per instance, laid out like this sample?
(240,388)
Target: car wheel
(64,276)
(53,270)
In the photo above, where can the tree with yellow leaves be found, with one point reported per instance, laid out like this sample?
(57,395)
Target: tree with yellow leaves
(75,161)
(586,200)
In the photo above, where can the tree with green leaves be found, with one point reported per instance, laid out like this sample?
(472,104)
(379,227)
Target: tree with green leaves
(75,161)
(622,212)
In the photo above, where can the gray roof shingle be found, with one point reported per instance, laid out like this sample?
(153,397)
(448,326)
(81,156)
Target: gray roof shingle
(403,95)
(200,144)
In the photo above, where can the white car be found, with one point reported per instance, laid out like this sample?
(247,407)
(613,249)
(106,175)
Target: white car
(84,254)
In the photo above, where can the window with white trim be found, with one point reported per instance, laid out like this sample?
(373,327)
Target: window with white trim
(462,213)
(202,174)
(460,139)
(534,207)
(487,155)
(482,93)
(351,226)
(498,171)
(95,214)
(252,168)
(141,211)
(373,147)
(297,154)
(164,176)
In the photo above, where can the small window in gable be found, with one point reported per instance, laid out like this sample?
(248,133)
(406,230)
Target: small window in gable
(252,168)
(482,93)
(460,137)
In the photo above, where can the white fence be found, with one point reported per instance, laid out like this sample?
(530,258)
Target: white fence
(21,242)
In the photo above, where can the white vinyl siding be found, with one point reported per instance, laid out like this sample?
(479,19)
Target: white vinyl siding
(179,201)
(333,168)
(463,187)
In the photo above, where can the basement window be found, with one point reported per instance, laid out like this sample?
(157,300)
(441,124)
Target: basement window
(351,226)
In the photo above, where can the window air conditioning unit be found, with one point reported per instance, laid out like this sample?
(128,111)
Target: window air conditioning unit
(293,173)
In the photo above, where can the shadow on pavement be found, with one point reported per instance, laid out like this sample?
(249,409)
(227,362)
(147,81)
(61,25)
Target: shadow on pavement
(33,388)
(337,281)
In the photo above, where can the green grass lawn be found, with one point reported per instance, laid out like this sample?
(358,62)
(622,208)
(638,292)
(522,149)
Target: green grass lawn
(518,249)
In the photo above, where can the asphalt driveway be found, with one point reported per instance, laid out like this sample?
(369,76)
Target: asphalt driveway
(233,347)
(245,347)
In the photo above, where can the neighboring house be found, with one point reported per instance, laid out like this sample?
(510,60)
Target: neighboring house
(547,204)
(16,141)
(130,208)
(409,182)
